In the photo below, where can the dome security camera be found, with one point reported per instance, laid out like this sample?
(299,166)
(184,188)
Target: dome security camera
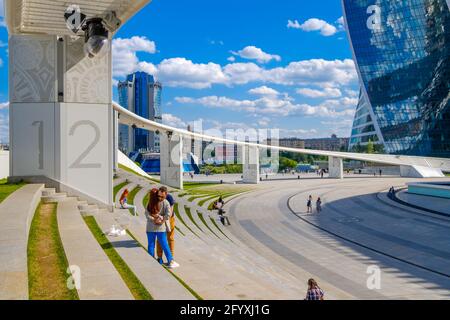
(96,38)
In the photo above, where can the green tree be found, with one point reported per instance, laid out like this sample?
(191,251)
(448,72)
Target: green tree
(370,147)
(286,163)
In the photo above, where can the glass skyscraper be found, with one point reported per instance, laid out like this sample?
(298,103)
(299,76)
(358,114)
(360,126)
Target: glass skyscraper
(141,94)
(402,53)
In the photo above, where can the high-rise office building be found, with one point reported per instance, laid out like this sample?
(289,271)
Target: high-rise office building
(402,53)
(141,94)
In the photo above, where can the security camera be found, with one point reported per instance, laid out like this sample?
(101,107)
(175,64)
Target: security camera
(96,38)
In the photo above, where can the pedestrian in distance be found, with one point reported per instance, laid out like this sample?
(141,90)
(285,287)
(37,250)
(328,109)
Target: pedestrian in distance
(309,205)
(318,205)
(314,292)
(124,202)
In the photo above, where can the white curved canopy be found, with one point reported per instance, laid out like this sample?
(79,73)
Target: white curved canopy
(129,118)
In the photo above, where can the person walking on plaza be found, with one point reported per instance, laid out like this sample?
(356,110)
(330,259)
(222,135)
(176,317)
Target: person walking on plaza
(309,205)
(319,205)
(158,215)
(314,292)
(124,202)
(170,234)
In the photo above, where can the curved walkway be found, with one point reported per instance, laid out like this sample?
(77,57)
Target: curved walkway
(355,230)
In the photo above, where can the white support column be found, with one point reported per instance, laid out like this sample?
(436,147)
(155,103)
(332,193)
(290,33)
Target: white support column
(116,140)
(171,160)
(335,168)
(61,121)
(250,164)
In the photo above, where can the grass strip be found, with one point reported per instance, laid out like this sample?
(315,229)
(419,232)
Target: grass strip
(189,214)
(121,166)
(117,189)
(177,214)
(136,287)
(178,229)
(7,188)
(220,230)
(131,197)
(46,259)
(184,284)
(200,215)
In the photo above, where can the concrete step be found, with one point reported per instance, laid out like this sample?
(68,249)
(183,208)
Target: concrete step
(48,192)
(57,197)
(158,282)
(99,278)
(89,210)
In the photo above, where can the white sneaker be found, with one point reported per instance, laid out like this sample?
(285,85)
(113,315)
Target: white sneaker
(173,265)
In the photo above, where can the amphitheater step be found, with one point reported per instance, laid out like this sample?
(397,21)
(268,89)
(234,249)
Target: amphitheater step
(89,210)
(56,197)
(48,192)
(99,278)
(158,281)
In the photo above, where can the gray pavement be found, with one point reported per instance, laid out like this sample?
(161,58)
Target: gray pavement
(354,231)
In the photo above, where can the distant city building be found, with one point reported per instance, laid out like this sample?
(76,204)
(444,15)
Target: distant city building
(290,143)
(226,154)
(141,94)
(401,51)
(327,144)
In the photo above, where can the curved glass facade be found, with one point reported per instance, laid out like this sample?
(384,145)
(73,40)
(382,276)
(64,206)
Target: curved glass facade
(402,51)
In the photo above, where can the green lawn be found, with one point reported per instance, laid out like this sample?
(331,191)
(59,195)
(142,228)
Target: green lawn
(7,188)
(177,214)
(47,262)
(137,289)
(135,173)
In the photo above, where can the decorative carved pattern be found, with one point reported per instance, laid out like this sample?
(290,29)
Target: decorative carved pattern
(32,67)
(87,80)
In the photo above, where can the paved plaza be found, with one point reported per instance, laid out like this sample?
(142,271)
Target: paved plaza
(358,228)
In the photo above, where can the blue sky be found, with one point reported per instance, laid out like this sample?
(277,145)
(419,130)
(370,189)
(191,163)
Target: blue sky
(238,64)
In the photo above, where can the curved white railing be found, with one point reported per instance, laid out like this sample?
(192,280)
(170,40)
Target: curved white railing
(130,118)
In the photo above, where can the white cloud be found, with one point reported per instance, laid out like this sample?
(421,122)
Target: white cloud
(314,24)
(325,93)
(271,105)
(4,105)
(231,59)
(180,72)
(125,60)
(254,53)
(264,91)
(173,121)
(341,23)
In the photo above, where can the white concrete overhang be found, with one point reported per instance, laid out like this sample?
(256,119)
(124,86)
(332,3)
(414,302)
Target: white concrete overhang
(129,118)
(47,16)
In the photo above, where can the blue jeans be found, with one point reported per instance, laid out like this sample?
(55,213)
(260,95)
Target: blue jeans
(162,240)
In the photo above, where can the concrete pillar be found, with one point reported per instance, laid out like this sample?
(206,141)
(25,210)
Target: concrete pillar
(250,163)
(61,121)
(335,168)
(116,140)
(171,160)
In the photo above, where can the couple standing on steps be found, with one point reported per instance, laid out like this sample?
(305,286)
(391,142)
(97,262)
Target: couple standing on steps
(161,225)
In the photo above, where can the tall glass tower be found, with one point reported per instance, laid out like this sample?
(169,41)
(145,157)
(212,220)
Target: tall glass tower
(402,53)
(141,94)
